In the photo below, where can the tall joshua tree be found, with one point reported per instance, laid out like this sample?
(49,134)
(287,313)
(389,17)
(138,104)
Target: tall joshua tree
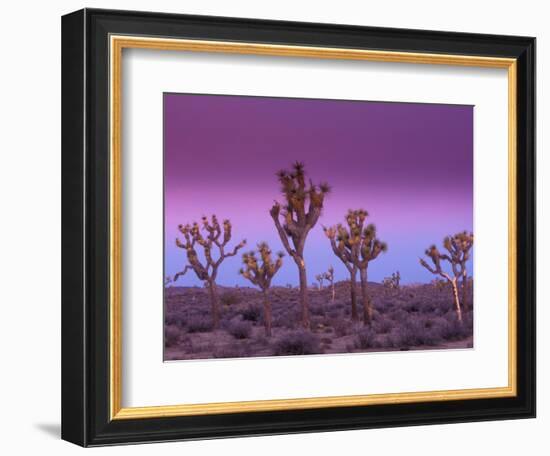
(456,259)
(329,277)
(357,246)
(216,237)
(295,219)
(260,271)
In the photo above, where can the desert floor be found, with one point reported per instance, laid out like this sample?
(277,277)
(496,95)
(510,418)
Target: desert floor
(415,317)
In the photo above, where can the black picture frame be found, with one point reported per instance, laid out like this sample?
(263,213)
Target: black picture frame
(85,225)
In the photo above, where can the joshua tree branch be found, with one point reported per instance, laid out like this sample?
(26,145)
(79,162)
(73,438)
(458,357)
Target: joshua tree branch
(176,277)
(284,238)
(235,250)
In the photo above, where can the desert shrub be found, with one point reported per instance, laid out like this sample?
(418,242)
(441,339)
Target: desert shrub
(297,343)
(468,318)
(261,340)
(452,329)
(382,325)
(384,306)
(341,327)
(171,335)
(442,308)
(239,329)
(252,313)
(284,320)
(416,331)
(317,310)
(198,324)
(366,338)
(412,307)
(176,318)
(399,315)
(326,340)
(230,298)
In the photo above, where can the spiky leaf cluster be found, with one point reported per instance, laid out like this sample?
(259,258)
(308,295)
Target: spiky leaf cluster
(355,243)
(329,275)
(458,249)
(259,267)
(302,209)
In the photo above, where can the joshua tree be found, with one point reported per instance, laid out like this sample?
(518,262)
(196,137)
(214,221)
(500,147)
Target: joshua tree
(320,278)
(459,247)
(365,248)
(396,278)
(339,238)
(329,276)
(216,237)
(295,219)
(437,269)
(392,283)
(357,246)
(260,272)
(167,280)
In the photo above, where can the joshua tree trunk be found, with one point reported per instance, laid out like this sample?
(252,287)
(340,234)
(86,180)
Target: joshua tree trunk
(303,294)
(213,291)
(367,308)
(267,313)
(457,301)
(353,285)
(464,286)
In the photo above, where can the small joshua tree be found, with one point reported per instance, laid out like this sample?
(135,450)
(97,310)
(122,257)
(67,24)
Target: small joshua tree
(260,271)
(216,238)
(167,280)
(396,279)
(357,246)
(392,283)
(457,257)
(320,278)
(295,219)
(329,276)
(459,247)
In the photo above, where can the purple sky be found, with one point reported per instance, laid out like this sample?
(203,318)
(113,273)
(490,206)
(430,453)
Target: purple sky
(409,165)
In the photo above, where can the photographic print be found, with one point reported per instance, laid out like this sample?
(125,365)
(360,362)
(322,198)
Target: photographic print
(313,226)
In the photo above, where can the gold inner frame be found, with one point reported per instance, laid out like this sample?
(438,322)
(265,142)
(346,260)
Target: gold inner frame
(117,44)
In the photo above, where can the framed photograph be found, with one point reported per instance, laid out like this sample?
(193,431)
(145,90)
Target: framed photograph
(277,227)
